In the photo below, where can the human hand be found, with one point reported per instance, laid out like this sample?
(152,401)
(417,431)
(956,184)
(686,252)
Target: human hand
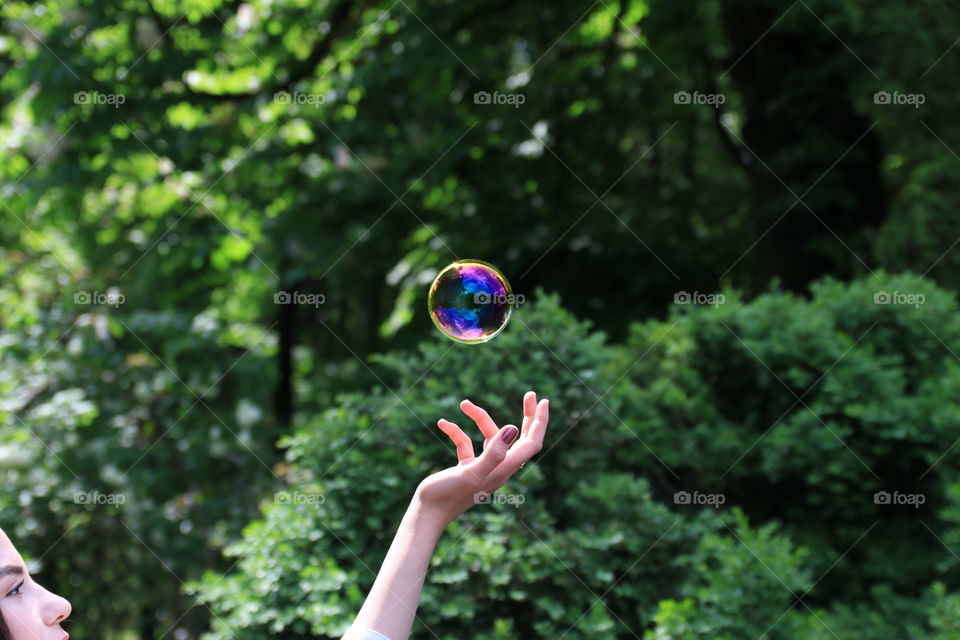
(448,493)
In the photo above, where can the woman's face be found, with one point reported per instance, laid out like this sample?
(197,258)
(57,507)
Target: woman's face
(29,611)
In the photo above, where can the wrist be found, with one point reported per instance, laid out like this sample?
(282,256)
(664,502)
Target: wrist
(426,518)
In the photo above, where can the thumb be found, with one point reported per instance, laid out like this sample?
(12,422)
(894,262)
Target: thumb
(495,452)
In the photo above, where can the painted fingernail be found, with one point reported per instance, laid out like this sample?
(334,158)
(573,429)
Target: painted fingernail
(510,434)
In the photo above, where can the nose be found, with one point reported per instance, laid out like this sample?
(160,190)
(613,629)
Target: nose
(55,609)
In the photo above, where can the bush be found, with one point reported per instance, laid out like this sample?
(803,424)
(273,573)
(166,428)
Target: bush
(542,569)
(687,404)
(113,468)
(799,410)
(739,586)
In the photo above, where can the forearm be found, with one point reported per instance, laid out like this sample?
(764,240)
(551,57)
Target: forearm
(391,605)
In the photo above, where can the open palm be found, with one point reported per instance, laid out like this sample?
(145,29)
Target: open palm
(454,490)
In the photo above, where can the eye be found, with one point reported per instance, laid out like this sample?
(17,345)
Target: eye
(16,590)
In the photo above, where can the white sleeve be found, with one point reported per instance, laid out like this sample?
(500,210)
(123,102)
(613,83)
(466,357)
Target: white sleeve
(355,633)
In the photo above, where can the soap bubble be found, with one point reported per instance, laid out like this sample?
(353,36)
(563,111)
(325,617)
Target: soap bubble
(470,301)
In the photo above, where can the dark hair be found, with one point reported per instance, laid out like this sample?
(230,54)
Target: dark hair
(4,631)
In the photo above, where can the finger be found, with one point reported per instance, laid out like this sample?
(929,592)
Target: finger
(487,426)
(529,406)
(501,474)
(522,451)
(516,457)
(538,427)
(494,454)
(463,442)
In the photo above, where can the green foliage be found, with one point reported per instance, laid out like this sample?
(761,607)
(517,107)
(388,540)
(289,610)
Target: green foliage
(739,586)
(791,407)
(337,147)
(593,549)
(538,569)
(132,448)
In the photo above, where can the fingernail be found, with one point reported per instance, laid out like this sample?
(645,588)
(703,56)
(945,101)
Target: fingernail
(510,434)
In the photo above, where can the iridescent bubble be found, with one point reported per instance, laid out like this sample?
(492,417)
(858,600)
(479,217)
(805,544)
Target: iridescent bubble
(469,301)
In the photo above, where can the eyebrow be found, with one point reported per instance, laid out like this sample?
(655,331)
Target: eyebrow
(11,569)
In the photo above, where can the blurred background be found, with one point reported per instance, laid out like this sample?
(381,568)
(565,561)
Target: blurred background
(734,226)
